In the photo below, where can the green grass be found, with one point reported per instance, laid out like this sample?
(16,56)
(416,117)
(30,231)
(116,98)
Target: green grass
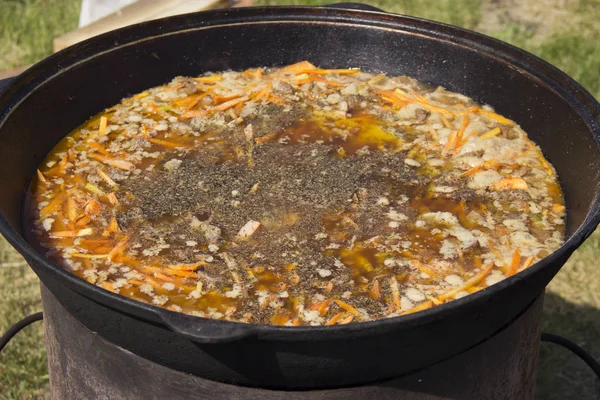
(23,373)
(564,32)
(27,28)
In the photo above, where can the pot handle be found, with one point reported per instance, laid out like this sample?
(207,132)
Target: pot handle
(354,6)
(205,330)
(6,83)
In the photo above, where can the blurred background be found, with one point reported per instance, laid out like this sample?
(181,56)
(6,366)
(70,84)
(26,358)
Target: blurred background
(563,32)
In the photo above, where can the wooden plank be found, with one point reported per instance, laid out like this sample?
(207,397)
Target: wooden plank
(140,11)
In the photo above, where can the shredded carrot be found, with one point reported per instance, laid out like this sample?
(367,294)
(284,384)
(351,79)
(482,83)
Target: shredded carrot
(467,111)
(435,300)
(141,95)
(376,79)
(75,233)
(451,143)
(71,209)
(445,121)
(278,319)
(375,291)
(84,255)
(514,263)
(94,189)
(253,73)
(187,267)
(268,301)
(545,164)
(113,225)
(85,242)
(427,106)
(108,286)
(423,306)
(117,249)
(41,177)
(223,98)
(511,183)
(106,178)
(167,143)
(496,117)
(120,164)
(322,308)
(347,320)
(209,79)
(489,164)
(423,268)
(347,307)
(228,104)
(299,67)
(263,92)
(53,206)
(83,221)
(471,282)
(329,287)
(527,263)
(112,198)
(63,163)
(334,319)
(193,114)
(458,142)
(419,97)
(391,97)
(103,124)
(346,71)
(328,82)
(93,207)
(181,273)
(494,132)
(395,292)
(273,98)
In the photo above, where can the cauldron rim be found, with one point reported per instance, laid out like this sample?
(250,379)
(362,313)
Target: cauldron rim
(569,90)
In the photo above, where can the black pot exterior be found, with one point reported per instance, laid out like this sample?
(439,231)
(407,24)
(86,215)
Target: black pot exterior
(56,95)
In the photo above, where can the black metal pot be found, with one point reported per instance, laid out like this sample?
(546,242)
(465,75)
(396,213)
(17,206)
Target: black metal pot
(53,97)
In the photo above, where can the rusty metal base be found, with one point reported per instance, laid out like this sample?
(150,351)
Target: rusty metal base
(82,365)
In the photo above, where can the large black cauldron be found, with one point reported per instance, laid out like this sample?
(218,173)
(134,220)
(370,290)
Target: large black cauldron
(59,93)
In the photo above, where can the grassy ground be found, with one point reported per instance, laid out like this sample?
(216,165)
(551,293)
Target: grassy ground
(563,32)
(28,26)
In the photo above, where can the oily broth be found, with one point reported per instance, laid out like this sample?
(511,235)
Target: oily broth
(365,210)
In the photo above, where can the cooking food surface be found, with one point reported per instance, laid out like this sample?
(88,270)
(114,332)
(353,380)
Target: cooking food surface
(296,196)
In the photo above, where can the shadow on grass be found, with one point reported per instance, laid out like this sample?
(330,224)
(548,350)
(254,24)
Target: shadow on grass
(561,374)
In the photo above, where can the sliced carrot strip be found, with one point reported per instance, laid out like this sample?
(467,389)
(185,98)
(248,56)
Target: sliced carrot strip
(423,306)
(334,319)
(471,282)
(514,263)
(120,164)
(228,104)
(494,132)
(347,307)
(167,143)
(299,67)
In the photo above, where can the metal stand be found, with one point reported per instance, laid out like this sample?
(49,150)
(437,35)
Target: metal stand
(82,365)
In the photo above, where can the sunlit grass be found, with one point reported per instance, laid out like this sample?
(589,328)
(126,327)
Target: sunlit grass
(27,28)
